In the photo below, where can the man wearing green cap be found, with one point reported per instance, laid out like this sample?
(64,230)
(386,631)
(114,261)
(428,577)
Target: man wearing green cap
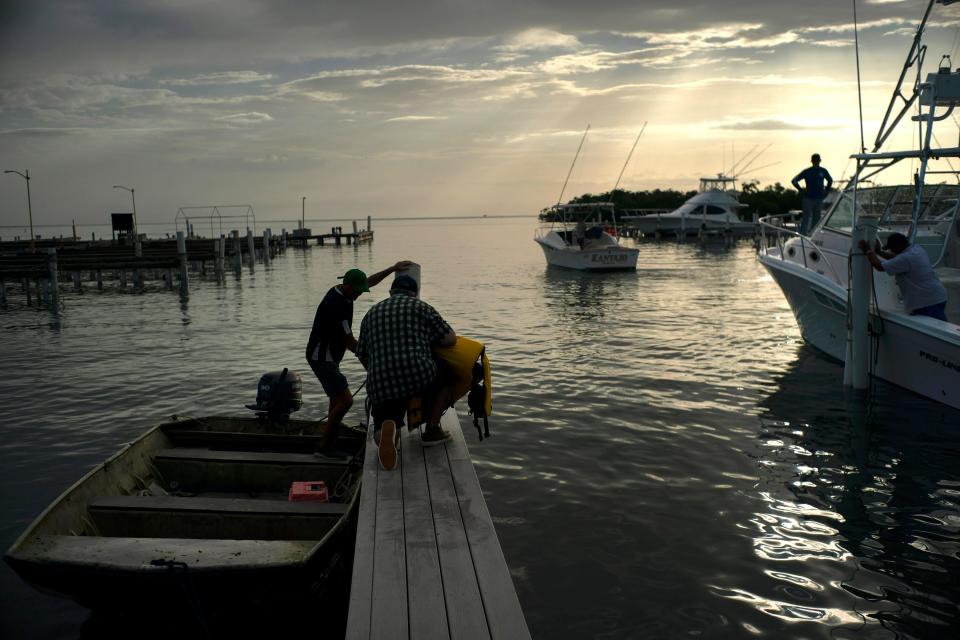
(331,336)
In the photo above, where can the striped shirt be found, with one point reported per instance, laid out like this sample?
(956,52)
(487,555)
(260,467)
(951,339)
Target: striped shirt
(395,343)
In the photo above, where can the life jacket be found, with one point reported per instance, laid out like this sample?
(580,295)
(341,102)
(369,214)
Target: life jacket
(461,359)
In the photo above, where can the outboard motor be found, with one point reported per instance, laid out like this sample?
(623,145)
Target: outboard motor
(279,394)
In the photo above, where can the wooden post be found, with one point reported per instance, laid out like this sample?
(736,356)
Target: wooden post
(138,252)
(369,225)
(99,280)
(26,290)
(217,265)
(182,252)
(54,284)
(283,235)
(123,278)
(251,247)
(266,246)
(354,229)
(76,281)
(236,247)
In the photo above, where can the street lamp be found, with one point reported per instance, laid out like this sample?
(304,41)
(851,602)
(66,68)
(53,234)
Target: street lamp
(117,186)
(26,176)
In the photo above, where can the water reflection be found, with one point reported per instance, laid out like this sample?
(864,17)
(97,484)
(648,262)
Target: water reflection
(861,498)
(579,299)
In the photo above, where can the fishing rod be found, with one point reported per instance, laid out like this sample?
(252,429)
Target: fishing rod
(742,158)
(619,177)
(629,155)
(575,156)
(755,158)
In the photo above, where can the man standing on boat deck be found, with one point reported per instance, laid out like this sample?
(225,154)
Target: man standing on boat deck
(813,192)
(923,293)
(395,347)
(331,337)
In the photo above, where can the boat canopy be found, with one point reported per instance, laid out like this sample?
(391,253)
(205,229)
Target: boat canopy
(719,183)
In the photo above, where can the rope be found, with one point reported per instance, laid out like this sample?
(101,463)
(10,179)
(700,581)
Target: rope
(186,585)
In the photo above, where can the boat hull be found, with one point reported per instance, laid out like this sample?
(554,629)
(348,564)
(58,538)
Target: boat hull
(603,259)
(918,353)
(688,226)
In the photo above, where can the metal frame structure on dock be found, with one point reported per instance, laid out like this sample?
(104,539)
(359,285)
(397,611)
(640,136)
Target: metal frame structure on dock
(427,563)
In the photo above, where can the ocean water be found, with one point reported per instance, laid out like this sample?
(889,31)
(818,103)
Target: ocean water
(668,459)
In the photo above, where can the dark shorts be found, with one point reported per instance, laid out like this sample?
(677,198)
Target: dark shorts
(332,381)
(938,311)
(396,408)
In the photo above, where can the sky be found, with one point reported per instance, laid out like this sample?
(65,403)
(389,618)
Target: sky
(438,107)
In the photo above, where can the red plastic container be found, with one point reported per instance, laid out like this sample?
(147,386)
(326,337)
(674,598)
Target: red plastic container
(309,492)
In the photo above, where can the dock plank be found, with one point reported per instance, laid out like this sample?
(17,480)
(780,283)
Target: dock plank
(388,620)
(428,564)
(361,589)
(493,574)
(425,598)
(460,585)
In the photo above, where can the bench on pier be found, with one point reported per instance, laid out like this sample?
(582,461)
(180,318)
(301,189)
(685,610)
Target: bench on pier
(427,562)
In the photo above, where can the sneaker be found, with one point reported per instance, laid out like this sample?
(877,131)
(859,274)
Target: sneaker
(434,435)
(330,453)
(387,445)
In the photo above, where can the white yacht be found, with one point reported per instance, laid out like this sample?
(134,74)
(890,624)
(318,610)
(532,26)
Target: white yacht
(713,209)
(579,238)
(916,352)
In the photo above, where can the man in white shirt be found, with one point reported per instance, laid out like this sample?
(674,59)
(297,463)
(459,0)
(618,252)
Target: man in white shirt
(923,293)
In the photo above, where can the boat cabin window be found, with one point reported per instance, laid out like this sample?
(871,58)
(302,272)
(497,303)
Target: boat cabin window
(714,210)
(841,217)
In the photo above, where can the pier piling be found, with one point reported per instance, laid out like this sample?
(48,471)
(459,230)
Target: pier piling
(182,254)
(54,285)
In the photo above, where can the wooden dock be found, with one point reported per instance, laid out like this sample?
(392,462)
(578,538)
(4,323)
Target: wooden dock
(43,267)
(303,236)
(427,563)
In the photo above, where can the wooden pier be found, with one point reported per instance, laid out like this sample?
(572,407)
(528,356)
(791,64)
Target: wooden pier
(42,270)
(427,563)
(303,236)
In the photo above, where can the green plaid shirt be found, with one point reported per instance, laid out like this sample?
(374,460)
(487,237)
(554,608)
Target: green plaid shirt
(396,336)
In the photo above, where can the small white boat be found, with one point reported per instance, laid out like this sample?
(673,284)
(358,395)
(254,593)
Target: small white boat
(572,243)
(712,210)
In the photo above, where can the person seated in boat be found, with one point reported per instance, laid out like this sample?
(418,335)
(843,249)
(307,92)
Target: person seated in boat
(580,233)
(396,338)
(330,337)
(923,293)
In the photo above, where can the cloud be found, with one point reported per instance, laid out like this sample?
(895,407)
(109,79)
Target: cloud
(220,78)
(539,39)
(241,119)
(414,118)
(44,132)
(764,125)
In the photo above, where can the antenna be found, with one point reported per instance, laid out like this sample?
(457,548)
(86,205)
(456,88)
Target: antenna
(629,155)
(576,155)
